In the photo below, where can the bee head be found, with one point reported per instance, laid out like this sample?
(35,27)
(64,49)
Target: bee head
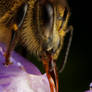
(46,13)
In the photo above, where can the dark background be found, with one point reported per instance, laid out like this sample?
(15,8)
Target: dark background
(76,76)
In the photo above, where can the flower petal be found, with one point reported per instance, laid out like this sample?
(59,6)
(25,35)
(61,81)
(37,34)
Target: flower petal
(24,82)
(17,61)
(21,76)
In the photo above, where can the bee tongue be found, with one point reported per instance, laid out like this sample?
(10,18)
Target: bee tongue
(50,68)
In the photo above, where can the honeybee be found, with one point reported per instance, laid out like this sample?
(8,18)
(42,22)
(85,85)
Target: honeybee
(41,26)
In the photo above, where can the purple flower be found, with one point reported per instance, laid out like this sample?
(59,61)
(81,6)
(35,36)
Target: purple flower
(90,88)
(21,76)
(88,91)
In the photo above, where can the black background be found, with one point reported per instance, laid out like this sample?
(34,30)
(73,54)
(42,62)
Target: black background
(77,75)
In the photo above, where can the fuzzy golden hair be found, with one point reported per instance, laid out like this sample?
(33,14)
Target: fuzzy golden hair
(28,34)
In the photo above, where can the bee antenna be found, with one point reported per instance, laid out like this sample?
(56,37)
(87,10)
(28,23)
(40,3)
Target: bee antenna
(70,29)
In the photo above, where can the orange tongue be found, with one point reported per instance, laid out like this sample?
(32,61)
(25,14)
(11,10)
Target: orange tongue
(50,68)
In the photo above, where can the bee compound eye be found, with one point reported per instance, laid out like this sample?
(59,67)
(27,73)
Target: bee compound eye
(47,13)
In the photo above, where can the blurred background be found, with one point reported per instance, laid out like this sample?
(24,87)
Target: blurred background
(76,76)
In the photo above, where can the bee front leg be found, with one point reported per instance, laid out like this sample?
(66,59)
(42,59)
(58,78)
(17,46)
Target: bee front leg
(69,29)
(11,44)
(14,31)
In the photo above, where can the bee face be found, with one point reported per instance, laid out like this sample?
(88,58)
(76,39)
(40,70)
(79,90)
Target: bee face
(48,24)
(46,27)
(42,28)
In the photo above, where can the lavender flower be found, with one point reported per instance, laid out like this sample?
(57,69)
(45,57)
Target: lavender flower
(90,89)
(21,76)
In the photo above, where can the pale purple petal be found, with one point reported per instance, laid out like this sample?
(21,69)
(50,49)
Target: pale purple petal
(24,82)
(21,76)
(90,88)
(88,91)
(17,61)
(90,85)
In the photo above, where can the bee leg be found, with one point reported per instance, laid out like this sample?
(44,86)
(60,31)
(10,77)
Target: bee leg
(51,72)
(11,44)
(69,29)
(14,31)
